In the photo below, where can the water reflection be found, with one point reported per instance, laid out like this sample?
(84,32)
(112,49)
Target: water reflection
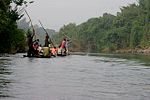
(143,59)
(5,72)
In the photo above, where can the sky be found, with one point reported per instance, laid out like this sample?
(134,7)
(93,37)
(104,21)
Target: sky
(56,13)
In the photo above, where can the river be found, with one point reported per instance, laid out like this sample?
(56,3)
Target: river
(74,77)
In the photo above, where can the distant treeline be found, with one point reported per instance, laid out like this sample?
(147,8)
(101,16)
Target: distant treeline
(130,28)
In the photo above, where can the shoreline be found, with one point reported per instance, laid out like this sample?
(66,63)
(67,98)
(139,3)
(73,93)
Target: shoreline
(138,51)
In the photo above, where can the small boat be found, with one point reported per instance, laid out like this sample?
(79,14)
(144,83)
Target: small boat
(62,52)
(48,53)
(37,56)
(44,54)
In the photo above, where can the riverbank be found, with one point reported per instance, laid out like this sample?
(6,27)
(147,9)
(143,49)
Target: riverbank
(140,51)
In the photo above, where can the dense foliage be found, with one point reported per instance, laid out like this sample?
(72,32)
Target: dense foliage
(130,28)
(12,39)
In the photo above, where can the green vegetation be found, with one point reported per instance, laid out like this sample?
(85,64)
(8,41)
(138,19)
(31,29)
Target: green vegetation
(12,39)
(130,28)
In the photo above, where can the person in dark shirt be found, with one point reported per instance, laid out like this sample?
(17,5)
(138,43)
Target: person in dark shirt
(46,41)
(30,44)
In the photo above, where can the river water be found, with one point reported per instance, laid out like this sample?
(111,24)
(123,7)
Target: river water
(74,77)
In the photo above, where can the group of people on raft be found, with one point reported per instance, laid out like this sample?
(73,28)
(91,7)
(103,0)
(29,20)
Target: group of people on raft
(48,50)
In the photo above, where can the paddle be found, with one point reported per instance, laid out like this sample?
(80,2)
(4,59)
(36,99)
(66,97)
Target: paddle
(66,36)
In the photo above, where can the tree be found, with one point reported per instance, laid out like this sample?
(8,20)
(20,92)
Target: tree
(10,36)
(129,29)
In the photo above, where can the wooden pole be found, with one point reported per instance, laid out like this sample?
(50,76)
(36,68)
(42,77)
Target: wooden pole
(46,33)
(31,24)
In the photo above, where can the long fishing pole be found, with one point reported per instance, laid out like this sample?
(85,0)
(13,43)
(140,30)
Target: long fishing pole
(31,24)
(46,33)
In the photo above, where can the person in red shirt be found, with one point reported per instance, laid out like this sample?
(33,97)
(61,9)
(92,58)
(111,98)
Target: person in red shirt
(62,47)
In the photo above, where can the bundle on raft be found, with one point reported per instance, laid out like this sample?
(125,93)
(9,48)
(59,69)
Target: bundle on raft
(47,52)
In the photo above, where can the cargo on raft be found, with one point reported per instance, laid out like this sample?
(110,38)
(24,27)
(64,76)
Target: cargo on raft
(47,52)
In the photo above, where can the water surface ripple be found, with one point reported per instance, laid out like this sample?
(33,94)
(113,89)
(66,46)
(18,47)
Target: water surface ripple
(73,77)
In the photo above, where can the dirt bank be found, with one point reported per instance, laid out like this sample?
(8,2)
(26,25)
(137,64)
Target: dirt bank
(145,51)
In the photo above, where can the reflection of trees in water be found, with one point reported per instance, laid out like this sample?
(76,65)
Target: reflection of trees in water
(5,71)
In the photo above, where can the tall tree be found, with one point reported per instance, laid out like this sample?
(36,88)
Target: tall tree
(10,36)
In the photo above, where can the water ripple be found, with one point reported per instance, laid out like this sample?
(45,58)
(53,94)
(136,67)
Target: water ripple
(73,77)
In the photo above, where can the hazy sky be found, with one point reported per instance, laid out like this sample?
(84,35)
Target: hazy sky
(56,13)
